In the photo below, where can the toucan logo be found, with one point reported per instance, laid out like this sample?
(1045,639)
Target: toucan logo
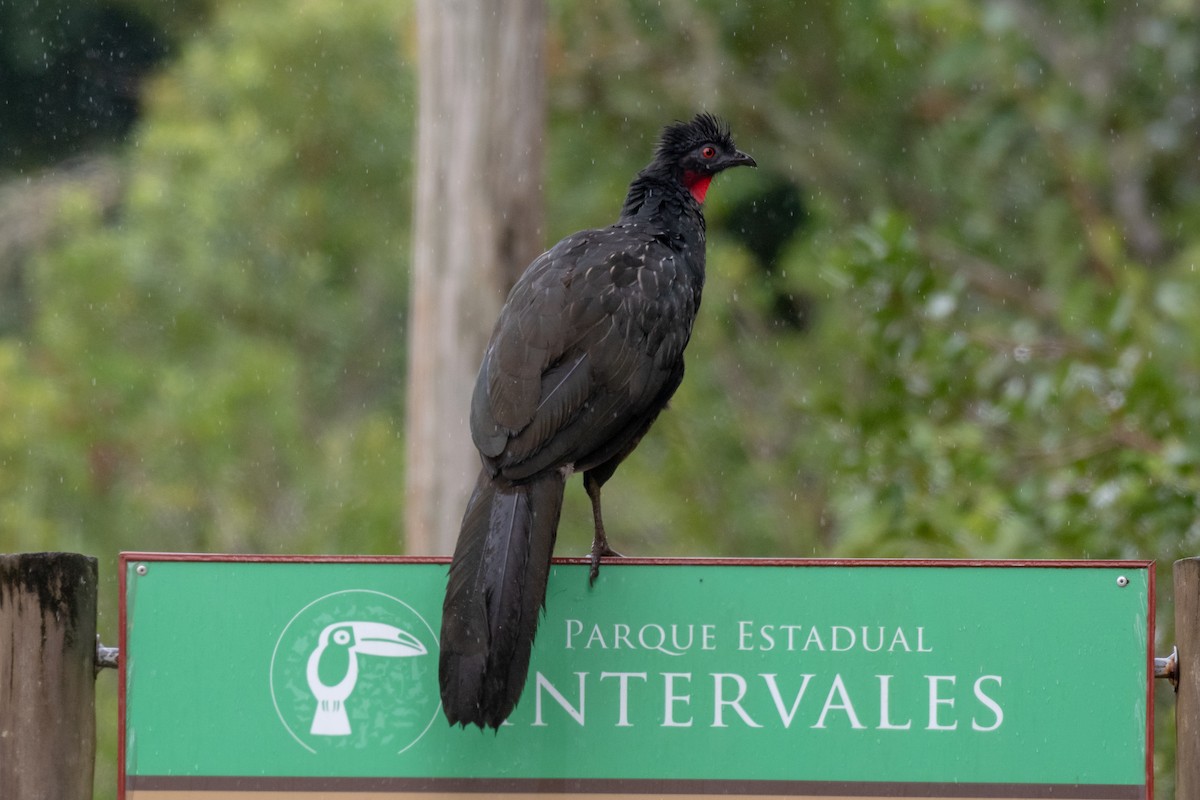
(333,667)
(356,670)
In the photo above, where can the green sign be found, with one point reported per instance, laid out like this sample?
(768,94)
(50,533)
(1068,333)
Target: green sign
(811,679)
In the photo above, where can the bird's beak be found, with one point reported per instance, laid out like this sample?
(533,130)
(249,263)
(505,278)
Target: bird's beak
(740,159)
(378,639)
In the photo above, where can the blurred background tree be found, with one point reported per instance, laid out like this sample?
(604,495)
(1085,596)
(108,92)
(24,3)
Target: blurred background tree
(955,314)
(477,222)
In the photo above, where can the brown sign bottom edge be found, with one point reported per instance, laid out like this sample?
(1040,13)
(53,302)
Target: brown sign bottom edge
(632,787)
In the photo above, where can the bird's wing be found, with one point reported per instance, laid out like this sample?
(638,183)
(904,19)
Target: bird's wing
(529,338)
(587,338)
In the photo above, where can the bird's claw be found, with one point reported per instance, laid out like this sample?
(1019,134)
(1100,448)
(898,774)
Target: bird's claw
(599,552)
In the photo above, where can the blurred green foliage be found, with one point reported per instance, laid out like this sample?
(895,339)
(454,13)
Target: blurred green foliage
(219,367)
(993,342)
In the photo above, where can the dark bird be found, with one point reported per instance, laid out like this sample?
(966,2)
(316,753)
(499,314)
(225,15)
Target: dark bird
(586,353)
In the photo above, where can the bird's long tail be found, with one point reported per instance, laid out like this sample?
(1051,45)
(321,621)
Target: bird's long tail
(495,594)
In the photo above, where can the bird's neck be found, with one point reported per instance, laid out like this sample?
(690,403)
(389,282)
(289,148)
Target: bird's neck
(697,184)
(666,203)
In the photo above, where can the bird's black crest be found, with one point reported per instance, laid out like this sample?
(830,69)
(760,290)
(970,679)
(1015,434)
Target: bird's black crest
(680,138)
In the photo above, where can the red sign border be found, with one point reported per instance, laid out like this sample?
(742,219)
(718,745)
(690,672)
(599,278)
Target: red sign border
(126,557)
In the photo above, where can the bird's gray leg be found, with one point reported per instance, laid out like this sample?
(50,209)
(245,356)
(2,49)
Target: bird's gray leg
(600,548)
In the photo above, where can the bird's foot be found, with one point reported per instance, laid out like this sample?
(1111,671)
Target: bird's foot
(600,550)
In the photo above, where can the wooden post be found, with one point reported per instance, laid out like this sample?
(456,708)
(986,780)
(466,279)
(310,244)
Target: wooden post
(47,676)
(1187,702)
(478,210)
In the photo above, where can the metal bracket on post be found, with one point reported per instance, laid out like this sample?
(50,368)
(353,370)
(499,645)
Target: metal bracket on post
(1168,668)
(106,657)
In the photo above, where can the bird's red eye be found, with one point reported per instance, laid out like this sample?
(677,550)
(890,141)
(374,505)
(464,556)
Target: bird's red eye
(708,152)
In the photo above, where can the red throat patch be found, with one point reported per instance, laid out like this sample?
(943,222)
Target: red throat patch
(697,184)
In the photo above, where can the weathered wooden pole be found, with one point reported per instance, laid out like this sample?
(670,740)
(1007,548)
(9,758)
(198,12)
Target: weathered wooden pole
(1187,701)
(476,225)
(47,676)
